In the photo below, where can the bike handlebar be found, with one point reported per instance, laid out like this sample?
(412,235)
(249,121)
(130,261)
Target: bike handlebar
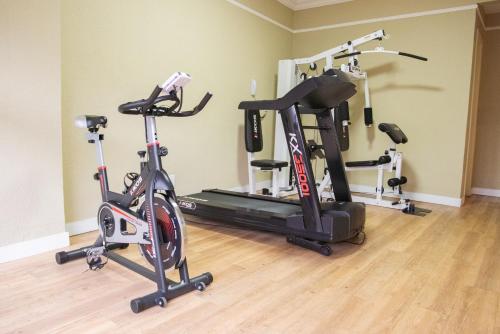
(148,106)
(203,102)
(166,112)
(135,107)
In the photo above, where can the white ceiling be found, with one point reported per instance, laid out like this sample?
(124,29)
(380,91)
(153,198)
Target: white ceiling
(491,7)
(305,4)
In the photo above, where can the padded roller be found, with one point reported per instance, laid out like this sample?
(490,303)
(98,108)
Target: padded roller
(384,159)
(394,182)
(394,132)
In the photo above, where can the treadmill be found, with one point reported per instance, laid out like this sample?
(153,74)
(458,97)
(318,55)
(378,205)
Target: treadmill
(307,222)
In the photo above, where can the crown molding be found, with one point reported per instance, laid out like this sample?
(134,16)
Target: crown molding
(258,14)
(389,18)
(302,4)
(354,23)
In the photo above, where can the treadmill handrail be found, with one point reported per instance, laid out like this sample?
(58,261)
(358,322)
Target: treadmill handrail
(325,91)
(291,98)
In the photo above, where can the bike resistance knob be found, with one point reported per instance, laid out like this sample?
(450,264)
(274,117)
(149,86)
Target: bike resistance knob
(162,151)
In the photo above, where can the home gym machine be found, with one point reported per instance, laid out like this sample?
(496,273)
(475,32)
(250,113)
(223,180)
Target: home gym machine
(157,226)
(307,222)
(391,162)
(290,75)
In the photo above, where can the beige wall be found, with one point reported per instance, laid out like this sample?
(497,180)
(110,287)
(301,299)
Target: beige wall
(428,100)
(116,51)
(272,9)
(487,158)
(368,9)
(32,192)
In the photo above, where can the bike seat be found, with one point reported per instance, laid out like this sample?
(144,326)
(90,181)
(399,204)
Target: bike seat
(90,121)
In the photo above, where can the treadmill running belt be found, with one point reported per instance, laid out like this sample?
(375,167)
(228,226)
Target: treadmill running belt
(244,203)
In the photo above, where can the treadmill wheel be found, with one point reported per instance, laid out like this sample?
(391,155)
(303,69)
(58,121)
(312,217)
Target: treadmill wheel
(326,250)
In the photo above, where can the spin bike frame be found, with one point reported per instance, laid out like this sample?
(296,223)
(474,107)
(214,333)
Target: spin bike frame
(152,179)
(152,176)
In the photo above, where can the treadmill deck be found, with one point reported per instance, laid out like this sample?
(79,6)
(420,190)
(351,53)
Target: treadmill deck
(241,202)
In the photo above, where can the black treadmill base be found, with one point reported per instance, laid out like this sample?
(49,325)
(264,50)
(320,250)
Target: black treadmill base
(341,221)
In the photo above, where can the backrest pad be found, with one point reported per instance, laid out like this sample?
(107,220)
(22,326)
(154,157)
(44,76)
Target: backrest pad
(253,131)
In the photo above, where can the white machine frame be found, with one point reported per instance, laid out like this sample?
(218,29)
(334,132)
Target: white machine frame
(394,166)
(288,77)
(252,182)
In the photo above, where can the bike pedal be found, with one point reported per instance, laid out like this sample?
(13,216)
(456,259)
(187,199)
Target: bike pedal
(95,263)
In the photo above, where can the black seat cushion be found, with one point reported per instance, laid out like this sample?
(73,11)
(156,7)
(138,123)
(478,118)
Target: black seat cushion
(90,121)
(268,164)
(365,163)
(382,160)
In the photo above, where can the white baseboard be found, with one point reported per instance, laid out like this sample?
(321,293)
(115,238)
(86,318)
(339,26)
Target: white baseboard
(486,192)
(32,247)
(421,197)
(81,226)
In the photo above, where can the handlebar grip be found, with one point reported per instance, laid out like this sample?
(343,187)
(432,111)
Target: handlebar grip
(131,107)
(151,99)
(126,107)
(347,55)
(203,102)
(412,56)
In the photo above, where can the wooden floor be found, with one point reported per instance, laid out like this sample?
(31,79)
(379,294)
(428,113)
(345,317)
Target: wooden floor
(436,274)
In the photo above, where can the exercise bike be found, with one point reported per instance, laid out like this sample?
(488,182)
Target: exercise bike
(156,225)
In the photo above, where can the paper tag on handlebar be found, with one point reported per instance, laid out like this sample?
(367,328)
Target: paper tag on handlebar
(175,82)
